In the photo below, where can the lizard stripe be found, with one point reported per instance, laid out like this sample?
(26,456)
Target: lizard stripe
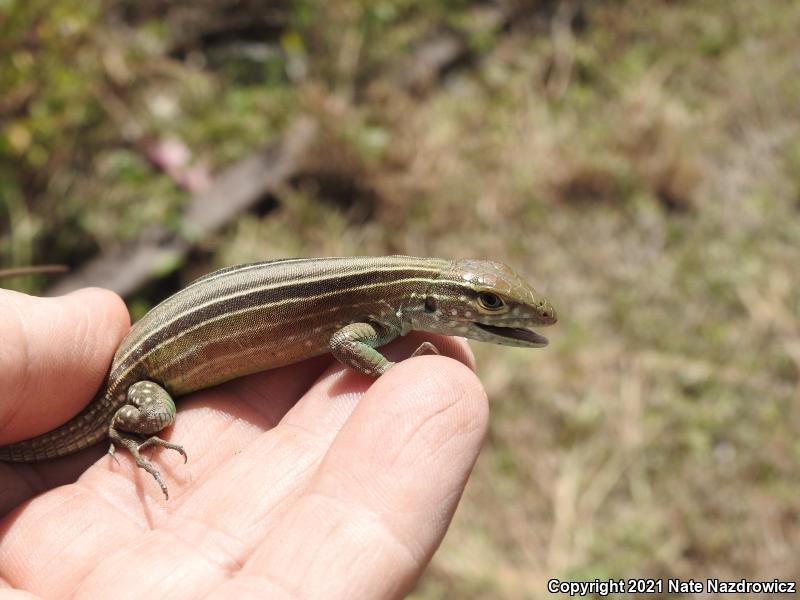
(258,316)
(346,295)
(348,273)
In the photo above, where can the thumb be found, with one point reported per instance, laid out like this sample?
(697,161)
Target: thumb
(54,355)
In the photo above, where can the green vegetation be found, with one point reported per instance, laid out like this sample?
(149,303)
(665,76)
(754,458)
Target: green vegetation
(640,160)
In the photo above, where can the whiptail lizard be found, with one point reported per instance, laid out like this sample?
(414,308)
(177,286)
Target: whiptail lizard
(259,316)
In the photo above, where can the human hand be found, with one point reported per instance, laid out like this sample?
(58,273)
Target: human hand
(304,481)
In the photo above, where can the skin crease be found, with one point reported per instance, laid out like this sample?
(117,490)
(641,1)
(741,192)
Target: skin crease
(305,481)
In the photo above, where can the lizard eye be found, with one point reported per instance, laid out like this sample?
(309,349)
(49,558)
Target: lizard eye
(490,301)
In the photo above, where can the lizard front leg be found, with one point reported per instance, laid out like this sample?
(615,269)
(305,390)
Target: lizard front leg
(150,409)
(354,345)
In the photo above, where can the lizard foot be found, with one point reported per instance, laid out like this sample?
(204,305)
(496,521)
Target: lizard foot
(133,444)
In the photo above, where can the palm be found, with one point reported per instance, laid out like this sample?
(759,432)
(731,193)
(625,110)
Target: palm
(305,481)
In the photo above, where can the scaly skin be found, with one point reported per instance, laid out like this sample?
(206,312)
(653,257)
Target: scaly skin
(259,316)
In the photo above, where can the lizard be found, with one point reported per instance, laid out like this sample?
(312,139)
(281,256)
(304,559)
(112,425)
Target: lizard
(257,316)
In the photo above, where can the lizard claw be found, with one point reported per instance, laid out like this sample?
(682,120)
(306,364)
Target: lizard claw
(157,441)
(425,348)
(110,452)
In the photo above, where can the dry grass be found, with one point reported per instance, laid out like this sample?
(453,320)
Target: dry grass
(642,165)
(657,435)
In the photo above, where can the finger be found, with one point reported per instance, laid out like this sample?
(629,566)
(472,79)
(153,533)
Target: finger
(54,355)
(22,481)
(265,470)
(316,412)
(385,492)
(119,533)
(215,427)
(243,486)
(224,426)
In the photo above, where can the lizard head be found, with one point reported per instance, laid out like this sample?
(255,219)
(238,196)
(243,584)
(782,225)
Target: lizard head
(487,301)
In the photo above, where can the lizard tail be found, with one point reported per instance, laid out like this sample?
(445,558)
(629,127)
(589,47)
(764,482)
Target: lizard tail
(85,429)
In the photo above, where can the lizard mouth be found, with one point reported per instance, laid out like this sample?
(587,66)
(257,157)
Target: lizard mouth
(515,333)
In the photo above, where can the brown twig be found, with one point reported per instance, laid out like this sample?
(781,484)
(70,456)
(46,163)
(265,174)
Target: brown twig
(33,270)
(232,193)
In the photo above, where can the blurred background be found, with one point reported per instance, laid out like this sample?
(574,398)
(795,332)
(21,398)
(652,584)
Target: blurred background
(638,161)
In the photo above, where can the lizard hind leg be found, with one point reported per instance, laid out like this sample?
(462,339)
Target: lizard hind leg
(150,409)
